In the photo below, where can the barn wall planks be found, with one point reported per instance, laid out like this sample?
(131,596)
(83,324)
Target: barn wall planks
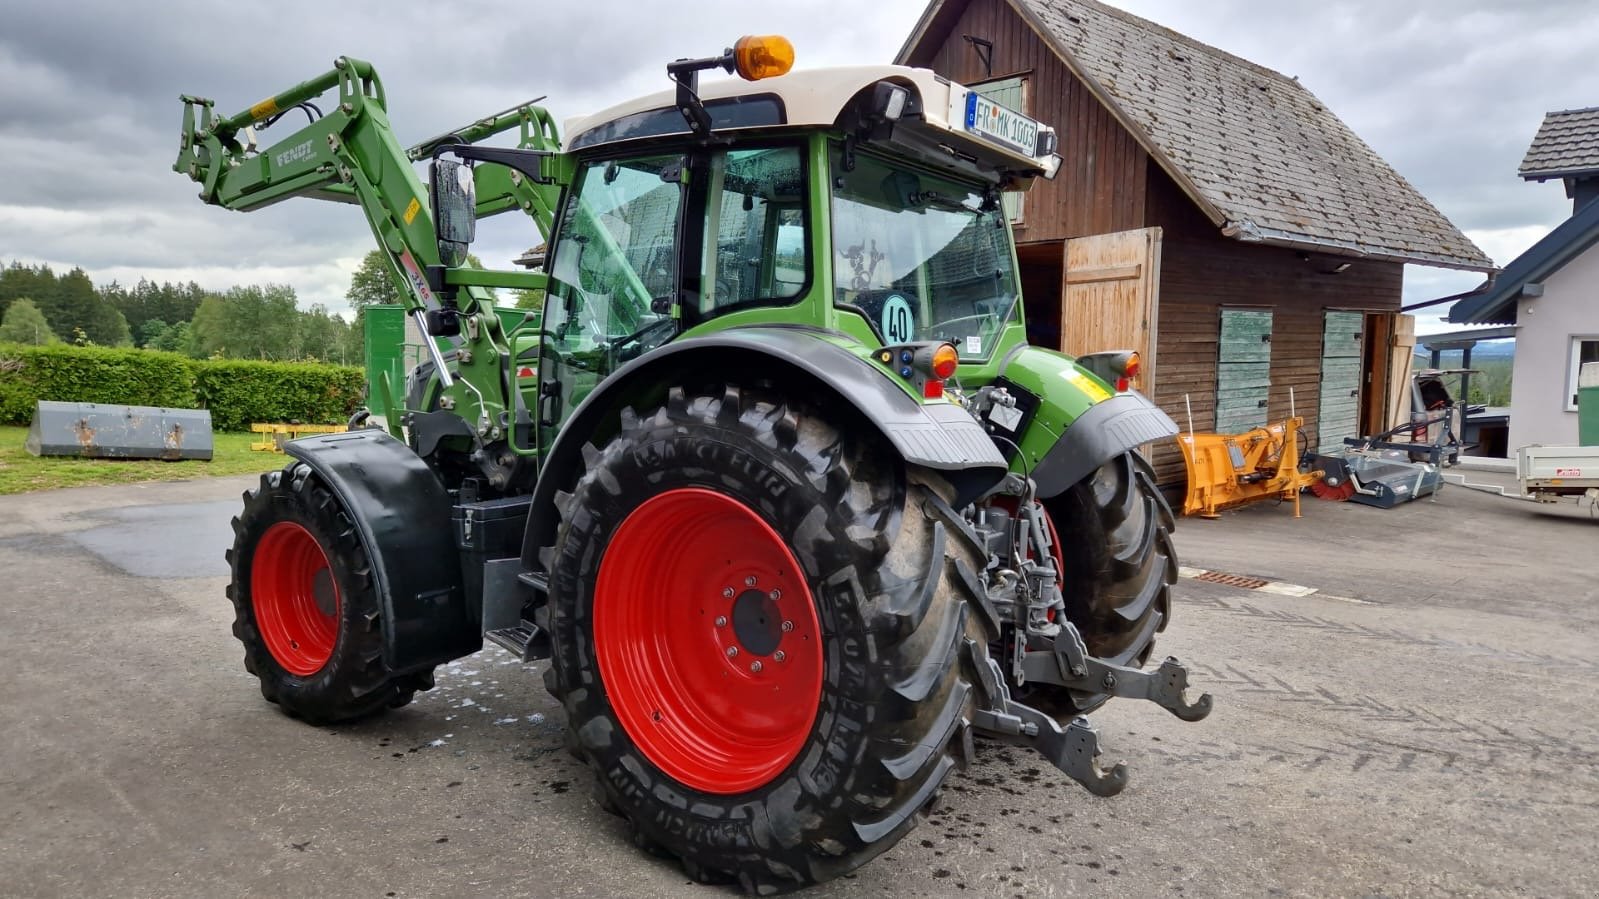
(1202,271)
(1101,184)
(1108,183)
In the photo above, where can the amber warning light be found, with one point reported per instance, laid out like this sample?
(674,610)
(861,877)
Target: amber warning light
(763,56)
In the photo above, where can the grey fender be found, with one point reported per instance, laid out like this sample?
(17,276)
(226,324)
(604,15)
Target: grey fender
(942,437)
(1105,431)
(402,514)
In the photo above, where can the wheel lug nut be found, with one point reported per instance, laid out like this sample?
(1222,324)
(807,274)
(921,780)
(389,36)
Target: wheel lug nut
(778,656)
(755,667)
(727,592)
(788,626)
(721,621)
(732,651)
(776,595)
(749,581)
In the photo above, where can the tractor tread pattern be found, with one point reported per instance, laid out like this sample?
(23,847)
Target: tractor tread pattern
(882,569)
(354,683)
(1120,568)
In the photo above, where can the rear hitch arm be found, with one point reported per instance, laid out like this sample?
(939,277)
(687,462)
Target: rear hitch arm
(1069,665)
(1074,749)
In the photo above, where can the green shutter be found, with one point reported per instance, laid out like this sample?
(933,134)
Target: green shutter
(1243,370)
(1338,415)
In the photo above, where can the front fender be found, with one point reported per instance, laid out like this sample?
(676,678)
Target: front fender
(1078,422)
(402,514)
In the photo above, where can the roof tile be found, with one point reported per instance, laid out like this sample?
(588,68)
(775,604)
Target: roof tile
(1567,143)
(1257,145)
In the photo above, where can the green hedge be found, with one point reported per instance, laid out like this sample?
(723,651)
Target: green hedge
(236,392)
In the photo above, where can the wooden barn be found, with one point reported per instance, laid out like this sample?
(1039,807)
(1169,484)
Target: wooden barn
(1209,212)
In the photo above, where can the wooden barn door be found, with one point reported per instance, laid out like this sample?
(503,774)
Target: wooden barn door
(1108,298)
(1338,416)
(1243,370)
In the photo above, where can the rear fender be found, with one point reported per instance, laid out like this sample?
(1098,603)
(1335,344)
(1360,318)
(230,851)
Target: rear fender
(402,514)
(1078,422)
(939,436)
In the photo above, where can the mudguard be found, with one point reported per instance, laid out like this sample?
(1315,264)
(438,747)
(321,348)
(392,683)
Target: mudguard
(1075,421)
(940,436)
(402,514)
(1103,432)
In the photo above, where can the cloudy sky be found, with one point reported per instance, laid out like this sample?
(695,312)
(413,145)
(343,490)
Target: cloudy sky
(1449,91)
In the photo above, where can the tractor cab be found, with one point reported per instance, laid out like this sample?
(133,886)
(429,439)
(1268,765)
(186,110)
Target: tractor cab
(862,200)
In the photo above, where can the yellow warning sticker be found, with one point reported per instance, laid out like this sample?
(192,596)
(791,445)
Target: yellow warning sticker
(266,107)
(1088,385)
(412,210)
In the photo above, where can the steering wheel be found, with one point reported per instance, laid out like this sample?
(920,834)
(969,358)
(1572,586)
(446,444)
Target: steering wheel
(663,325)
(942,330)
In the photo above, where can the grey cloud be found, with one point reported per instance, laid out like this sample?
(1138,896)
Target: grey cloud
(1449,92)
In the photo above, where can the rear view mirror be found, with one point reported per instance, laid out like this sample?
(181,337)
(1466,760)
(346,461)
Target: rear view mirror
(454,209)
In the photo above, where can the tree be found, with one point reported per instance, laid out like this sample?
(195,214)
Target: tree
(373,283)
(24,323)
(151,332)
(255,322)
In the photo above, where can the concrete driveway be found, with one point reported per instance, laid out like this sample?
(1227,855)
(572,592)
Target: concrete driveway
(1423,725)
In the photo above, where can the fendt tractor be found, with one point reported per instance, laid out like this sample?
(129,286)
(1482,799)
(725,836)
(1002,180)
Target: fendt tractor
(788,503)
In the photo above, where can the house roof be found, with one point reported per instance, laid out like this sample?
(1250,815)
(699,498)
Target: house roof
(1567,144)
(1254,149)
(1496,305)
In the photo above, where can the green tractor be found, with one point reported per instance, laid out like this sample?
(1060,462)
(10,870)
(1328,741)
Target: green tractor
(773,481)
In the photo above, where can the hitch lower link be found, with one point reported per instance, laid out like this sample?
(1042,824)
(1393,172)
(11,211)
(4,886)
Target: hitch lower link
(1074,748)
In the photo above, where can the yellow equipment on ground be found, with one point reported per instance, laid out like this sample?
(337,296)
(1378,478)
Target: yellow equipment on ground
(1226,470)
(275,435)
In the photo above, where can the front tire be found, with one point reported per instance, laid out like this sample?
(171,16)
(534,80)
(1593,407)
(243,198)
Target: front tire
(1120,565)
(306,607)
(806,765)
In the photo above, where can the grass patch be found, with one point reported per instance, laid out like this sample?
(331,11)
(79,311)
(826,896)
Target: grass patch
(21,472)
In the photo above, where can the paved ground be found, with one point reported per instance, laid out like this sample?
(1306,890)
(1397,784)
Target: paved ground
(1423,726)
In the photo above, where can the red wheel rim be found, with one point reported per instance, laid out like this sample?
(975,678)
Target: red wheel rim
(295,598)
(707,641)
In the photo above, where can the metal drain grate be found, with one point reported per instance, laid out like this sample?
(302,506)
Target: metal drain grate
(1232,580)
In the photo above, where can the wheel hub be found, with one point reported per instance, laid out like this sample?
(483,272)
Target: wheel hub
(757,622)
(707,640)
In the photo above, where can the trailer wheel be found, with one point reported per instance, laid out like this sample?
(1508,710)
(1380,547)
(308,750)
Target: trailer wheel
(1119,570)
(760,643)
(305,605)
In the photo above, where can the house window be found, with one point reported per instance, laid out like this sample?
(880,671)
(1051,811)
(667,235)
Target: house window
(1583,349)
(1012,93)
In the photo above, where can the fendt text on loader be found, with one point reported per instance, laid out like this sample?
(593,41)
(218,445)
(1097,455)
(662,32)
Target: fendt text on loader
(788,503)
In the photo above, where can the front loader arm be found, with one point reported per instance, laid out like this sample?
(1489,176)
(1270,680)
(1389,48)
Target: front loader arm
(350,154)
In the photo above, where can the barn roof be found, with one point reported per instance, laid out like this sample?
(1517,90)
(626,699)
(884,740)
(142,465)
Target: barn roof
(1254,149)
(1567,144)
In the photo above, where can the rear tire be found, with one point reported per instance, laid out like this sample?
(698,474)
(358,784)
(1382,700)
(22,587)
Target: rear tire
(1120,566)
(897,642)
(306,607)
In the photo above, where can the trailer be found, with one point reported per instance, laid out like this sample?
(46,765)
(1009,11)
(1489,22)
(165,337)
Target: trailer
(1547,473)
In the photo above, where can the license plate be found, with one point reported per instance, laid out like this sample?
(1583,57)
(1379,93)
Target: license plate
(1000,124)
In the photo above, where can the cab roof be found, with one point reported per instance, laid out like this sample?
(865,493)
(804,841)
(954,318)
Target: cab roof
(803,98)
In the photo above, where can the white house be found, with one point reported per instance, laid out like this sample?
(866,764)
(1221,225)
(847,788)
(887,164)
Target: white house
(1551,292)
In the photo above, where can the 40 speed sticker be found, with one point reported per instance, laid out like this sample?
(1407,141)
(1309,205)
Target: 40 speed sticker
(899,324)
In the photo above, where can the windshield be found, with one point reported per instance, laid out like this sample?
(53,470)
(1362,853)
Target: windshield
(924,258)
